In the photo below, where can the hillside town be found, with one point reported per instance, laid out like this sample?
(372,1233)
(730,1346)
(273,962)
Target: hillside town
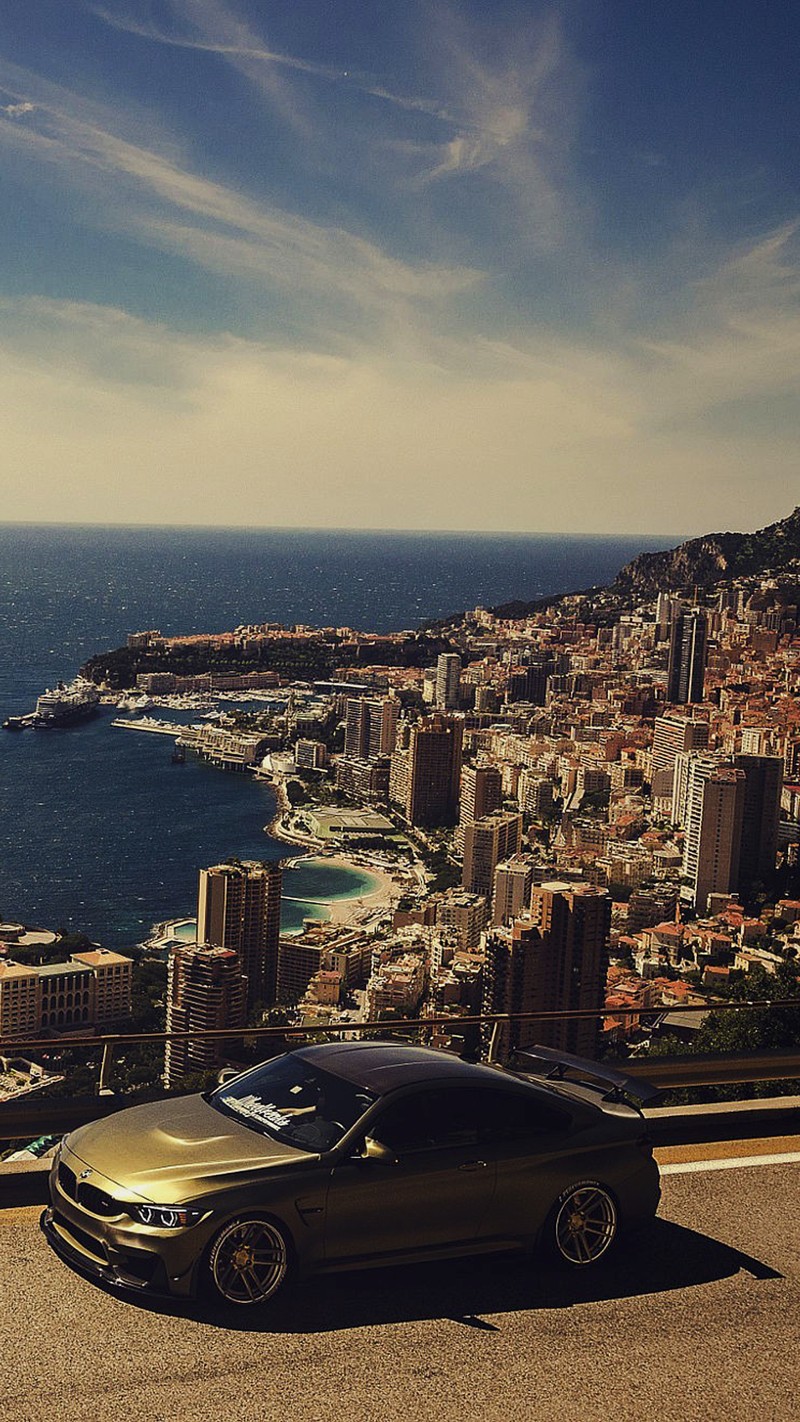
(587,807)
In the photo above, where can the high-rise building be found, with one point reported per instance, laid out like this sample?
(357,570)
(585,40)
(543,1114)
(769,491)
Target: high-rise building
(791,761)
(448,675)
(551,959)
(464,914)
(672,734)
(486,842)
(575,920)
(760,817)
(687,655)
(535,793)
(205,992)
(513,880)
(756,740)
(362,778)
(433,772)
(400,779)
(713,840)
(530,683)
(239,907)
(647,907)
(665,610)
(481,793)
(689,767)
(370,726)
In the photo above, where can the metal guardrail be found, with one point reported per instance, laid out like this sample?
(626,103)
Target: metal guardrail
(34,1115)
(109,1041)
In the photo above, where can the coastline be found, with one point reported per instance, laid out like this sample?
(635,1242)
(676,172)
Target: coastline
(365,907)
(350,908)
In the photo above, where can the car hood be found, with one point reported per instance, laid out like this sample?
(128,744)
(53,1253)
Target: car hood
(158,1150)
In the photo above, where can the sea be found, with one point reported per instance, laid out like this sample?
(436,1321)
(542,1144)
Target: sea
(99,832)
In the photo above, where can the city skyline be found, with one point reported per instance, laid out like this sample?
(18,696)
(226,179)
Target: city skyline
(416,270)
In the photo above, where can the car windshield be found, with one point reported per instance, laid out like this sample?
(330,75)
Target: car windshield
(292,1101)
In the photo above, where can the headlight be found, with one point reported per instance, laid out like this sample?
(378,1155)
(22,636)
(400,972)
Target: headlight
(165,1216)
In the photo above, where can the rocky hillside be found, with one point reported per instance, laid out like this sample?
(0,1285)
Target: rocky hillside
(700,562)
(714,557)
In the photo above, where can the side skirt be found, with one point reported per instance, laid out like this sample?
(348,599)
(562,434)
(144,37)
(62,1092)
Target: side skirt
(421,1256)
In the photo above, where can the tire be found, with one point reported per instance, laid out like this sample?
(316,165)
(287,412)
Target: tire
(582,1226)
(249,1262)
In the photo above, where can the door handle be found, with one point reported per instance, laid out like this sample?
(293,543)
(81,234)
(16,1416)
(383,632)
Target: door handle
(473,1165)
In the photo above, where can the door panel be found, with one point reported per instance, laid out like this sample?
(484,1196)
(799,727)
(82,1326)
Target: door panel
(438,1193)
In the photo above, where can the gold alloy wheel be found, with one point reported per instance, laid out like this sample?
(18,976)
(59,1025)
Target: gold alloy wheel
(585,1224)
(248,1261)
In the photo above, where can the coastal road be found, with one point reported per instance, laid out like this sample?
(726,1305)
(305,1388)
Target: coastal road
(699,1321)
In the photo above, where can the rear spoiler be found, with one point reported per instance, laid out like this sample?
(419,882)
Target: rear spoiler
(560,1066)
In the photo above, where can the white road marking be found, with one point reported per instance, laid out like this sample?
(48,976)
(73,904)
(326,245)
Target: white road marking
(688,1167)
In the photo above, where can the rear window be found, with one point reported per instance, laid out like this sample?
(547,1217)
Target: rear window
(441,1117)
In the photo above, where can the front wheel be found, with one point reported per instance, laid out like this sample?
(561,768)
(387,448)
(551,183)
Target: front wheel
(249,1262)
(582,1224)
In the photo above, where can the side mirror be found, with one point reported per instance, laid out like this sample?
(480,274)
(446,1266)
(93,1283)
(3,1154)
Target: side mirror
(378,1152)
(226,1074)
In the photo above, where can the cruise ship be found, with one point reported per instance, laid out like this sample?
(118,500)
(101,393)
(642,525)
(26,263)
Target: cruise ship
(66,704)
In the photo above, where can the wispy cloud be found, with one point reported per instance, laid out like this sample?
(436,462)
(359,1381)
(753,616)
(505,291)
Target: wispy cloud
(545,432)
(505,119)
(219,31)
(14,111)
(382,294)
(207,14)
(513,118)
(141,190)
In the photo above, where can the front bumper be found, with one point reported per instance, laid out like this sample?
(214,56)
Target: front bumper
(115,1249)
(83,1256)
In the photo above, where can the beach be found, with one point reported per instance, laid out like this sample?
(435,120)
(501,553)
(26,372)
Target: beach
(376,897)
(380,899)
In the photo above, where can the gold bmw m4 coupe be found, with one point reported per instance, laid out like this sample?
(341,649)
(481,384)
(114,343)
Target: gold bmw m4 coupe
(351,1155)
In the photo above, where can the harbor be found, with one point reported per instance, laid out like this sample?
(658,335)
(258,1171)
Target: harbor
(64,705)
(150,724)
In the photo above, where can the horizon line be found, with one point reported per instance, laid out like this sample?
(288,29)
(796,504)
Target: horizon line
(349,529)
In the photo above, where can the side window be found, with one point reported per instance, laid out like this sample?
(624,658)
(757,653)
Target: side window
(465,1116)
(404,1126)
(431,1120)
(456,1115)
(511,1117)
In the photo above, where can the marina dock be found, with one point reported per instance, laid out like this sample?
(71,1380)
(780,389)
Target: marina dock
(150,723)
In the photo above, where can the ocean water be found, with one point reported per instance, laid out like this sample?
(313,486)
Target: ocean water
(99,832)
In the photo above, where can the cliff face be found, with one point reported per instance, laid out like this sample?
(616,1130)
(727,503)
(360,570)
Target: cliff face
(712,558)
(700,562)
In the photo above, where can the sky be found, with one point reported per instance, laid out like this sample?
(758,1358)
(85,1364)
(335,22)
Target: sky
(400,263)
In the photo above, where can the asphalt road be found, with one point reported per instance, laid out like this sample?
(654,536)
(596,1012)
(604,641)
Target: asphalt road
(699,1322)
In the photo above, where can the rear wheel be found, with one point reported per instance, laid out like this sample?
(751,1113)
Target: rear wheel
(249,1262)
(582,1225)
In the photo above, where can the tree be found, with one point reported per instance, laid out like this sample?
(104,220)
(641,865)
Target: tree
(750,1030)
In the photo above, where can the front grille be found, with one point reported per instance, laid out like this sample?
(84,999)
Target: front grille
(97,1201)
(68,1180)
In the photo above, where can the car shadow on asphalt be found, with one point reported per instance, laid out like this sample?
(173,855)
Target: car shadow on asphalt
(662,1258)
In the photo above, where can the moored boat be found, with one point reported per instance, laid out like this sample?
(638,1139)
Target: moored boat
(66,704)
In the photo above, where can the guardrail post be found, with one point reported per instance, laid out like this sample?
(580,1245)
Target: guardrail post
(103,1088)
